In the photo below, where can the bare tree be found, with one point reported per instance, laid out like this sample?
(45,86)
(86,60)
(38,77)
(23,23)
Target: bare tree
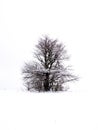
(48,73)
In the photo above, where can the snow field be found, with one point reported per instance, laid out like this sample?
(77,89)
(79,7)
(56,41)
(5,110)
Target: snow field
(48,111)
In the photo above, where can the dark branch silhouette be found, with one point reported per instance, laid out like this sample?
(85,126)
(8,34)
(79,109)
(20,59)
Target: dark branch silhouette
(48,73)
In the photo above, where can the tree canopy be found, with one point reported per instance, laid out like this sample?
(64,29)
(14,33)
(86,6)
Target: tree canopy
(48,73)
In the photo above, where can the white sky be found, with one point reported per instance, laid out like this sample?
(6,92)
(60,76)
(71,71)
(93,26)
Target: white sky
(23,22)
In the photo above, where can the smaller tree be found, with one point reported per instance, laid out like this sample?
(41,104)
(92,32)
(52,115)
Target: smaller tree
(48,73)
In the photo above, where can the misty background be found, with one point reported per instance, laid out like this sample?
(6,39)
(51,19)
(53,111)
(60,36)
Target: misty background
(74,23)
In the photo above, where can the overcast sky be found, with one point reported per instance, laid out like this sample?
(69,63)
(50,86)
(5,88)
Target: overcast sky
(73,22)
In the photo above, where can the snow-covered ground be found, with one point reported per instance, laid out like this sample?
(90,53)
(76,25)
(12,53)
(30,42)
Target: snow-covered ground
(48,111)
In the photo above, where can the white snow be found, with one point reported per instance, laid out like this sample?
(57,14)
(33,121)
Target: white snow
(48,111)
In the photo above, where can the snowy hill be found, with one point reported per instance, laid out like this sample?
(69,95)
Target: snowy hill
(48,111)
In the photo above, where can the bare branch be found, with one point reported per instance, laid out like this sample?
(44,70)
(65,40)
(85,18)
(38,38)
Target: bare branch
(48,74)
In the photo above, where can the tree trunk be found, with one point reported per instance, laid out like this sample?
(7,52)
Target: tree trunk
(46,83)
